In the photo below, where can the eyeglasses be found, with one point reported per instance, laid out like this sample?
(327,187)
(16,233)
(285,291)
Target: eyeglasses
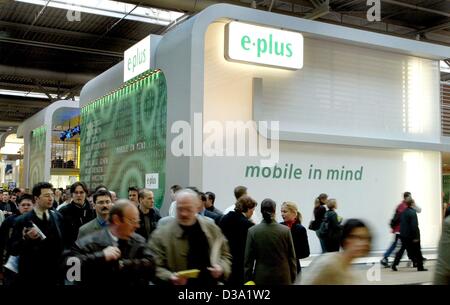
(48,195)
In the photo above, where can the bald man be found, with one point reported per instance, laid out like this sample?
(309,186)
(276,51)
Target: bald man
(116,255)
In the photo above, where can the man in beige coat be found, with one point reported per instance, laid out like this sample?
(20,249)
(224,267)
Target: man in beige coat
(189,242)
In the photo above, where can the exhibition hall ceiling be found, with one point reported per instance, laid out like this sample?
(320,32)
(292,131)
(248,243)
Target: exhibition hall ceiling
(48,51)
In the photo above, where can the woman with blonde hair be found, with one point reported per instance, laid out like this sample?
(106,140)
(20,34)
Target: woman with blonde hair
(293,220)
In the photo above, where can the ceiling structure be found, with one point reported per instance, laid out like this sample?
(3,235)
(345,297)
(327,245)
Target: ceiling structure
(43,51)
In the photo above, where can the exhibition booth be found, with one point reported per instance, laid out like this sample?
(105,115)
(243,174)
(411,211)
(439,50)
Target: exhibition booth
(51,145)
(288,107)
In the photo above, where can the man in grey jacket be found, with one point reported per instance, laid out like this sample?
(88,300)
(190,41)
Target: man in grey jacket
(103,204)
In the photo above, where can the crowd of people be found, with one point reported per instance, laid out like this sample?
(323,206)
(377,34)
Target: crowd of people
(83,237)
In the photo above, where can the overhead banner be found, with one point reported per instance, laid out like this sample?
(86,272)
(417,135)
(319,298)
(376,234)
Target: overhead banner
(123,138)
(37,155)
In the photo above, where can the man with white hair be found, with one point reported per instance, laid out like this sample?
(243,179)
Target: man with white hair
(188,242)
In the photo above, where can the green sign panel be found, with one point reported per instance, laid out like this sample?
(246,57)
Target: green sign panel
(123,138)
(37,156)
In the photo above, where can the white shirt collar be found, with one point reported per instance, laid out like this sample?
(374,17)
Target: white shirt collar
(40,213)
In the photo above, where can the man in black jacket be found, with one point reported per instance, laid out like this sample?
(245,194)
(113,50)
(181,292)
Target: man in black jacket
(116,255)
(37,240)
(7,206)
(410,236)
(77,213)
(148,214)
(25,205)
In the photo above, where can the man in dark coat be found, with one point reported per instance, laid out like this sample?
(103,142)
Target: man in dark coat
(410,236)
(235,227)
(25,204)
(37,240)
(7,206)
(116,255)
(77,213)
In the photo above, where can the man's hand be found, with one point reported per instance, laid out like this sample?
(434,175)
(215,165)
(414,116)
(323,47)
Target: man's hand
(177,280)
(30,233)
(216,271)
(112,253)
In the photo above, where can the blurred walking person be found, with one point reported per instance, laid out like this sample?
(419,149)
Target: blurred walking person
(442,272)
(335,268)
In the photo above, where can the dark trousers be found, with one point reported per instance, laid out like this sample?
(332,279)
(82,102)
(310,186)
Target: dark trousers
(9,277)
(414,252)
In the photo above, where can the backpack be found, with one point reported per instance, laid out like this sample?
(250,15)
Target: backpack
(395,221)
(323,230)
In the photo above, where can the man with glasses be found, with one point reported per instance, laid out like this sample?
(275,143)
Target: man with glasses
(37,240)
(77,213)
(116,255)
(103,204)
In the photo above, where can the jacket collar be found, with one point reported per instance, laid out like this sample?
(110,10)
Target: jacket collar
(178,231)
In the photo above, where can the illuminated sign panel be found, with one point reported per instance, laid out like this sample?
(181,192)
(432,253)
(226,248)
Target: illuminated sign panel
(263,45)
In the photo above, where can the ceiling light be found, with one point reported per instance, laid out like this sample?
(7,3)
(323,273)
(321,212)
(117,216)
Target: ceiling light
(114,9)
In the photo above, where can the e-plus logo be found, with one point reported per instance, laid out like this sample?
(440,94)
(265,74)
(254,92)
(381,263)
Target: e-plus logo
(263,45)
(267,45)
(138,58)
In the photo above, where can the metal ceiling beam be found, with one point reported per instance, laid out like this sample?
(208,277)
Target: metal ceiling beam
(25,87)
(321,9)
(114,25)
(65,33)
(434,28)
(23,102)
(380,31)
(8,124)
(39,14)
(42,90)
(31,73)
(182,5)
(416,7)
(61,47)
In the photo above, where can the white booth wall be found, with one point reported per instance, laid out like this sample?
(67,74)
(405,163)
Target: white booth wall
(343,90)
(374,95)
